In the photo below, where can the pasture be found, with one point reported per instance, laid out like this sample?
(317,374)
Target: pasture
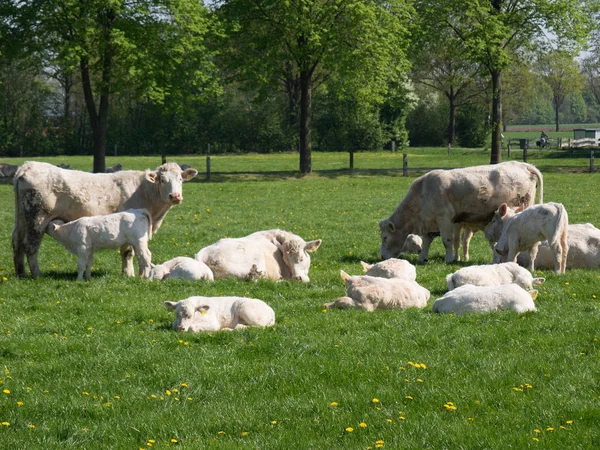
(96,364)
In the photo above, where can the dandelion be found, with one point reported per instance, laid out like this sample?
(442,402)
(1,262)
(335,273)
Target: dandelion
(184,385)
(168,392)
(379,443)
(538,431)
(6,424)
(273,422)
(174,441)
(221,433)
(470,419)
(549,429)
(536,439)
(244,433)
(19,403)
(419,380)
(190,399)
(349,429)
(333,404)
(324,310)
(362,425)
(375,400)
(390,421)
(31,426)
(402,418)
(4,279)
(569,422)
(408,397)
(6,391)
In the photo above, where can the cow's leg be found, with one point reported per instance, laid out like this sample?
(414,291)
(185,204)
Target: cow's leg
(33,242)
(88,266)
(456,241)
(18,243)
(467,234)
(127,253)
(144,259)
(565,250)
(81,265)
(342,302)
(533,254)
(447,235)
(424,254)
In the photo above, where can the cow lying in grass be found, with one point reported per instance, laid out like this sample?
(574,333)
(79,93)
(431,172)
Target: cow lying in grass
(391,268)
(482,299)
(493,275)
(271,254)
(584,249)
(373,293)
(524,231)
(220,313)
(181,268)
(84,236)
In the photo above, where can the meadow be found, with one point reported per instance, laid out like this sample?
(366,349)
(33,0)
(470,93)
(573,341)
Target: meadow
(96,364)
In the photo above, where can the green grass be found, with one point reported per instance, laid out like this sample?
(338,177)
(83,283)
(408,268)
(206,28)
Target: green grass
(92,362)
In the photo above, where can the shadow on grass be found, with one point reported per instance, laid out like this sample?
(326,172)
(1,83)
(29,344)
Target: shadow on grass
(70,276)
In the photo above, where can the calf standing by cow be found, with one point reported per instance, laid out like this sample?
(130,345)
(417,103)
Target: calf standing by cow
(84,236)
(44,192)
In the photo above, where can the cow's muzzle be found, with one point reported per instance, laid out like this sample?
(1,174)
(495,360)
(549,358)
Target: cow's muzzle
(176,198)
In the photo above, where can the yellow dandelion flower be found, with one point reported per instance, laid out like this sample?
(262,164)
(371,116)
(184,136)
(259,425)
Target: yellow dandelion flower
(6,424)
(537,431)
(244,433)
(549,429)
(375,400)
(174,441)
(408,397)
(349,429)
(184,385)
(32,426)
(153,396)
(569,422)
(563,427)
(190,399)
(419,380)
(273,422)
(402,418)
(379,441)
(390,421)
(85,393)
(6,391)
(324,310)
(536,439)
(19,403)
(4,279)
(362,425)
(168,392)
(221,433)
(333,404)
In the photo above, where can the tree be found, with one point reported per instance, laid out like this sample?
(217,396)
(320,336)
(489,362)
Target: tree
(157,46)
(518,92)
(561,72)
(309,40)
(494,32)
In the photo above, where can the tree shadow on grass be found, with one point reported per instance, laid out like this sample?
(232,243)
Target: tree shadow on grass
(71,275)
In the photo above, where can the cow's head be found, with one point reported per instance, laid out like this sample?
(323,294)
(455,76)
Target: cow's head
(53,226)
(295,255)
(188,314)
(157,272)
(503,214)
(413,244)
(168,179)
(392,239)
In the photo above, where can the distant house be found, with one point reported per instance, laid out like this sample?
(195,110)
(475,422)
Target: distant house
(582,133)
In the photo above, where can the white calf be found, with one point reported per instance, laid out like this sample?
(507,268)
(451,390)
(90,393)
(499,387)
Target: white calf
(391,268)
(493,275)
(84,236)
(584,249)
(220,313)
(182,268)
(413,244)
(482,299)
(524,231)
(371,293)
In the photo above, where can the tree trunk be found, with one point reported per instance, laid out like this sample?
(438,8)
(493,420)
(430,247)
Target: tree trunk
(556,116)
(496,152)
(452,124)
(305,116)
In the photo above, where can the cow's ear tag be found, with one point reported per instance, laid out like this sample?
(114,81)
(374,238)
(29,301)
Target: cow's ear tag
(151,176)
(202,309)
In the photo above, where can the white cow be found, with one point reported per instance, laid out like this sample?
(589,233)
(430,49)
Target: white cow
(525,230)
(372,293)
(84,236)
(412,244)
(8,170)
(493,275)
(271,254)
(44,192)
(584,249)
(440,200)
(391,268)
(220,313)
(181,268)
(482,299)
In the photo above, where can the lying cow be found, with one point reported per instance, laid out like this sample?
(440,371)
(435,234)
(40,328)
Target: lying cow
(84,236)
(583,241)
(44,192)
(493,275)
(271,254)
(391,268)
(440,200)
(373,293)
(482,299)
(8,170)
(112,169)
(220,313)
(524,231)
(181,268)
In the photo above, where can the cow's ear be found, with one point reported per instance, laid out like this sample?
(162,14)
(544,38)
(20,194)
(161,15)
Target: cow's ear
(171,305)
(499,251)
(203,309)
(188,174)
(502,210)
(151,176)
(520,209)
(344,275)
(533,294)
(538,281)
(312,246)
(387,225)
(365,266)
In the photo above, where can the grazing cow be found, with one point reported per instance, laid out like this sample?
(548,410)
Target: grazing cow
(483,299)
(8,170)
(584,249)
(44,192)
(391,268)
(372,293)
(493,275)
(441,200)
(271,254)
(525,230)
(220,313)
(84,236)
(181,268)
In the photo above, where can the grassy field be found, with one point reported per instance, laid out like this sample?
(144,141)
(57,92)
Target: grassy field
(96,364)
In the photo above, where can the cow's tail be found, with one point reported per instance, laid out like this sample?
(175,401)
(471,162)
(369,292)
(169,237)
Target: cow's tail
(146,213)
(562,226)
(534,170)
(450,281)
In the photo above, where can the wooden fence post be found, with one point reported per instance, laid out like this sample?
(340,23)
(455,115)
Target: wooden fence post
(449,149)
(394,145)
(525,153)
(405,164)
(508,148)
(208,164)
(592,170)
(351,160)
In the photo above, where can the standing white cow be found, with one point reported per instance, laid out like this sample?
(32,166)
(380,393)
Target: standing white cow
(44,192)
(441,200)
(84,236)
(220,313)
(525,230)
(483,299)
(182,268)
(583,240)
(271,254)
